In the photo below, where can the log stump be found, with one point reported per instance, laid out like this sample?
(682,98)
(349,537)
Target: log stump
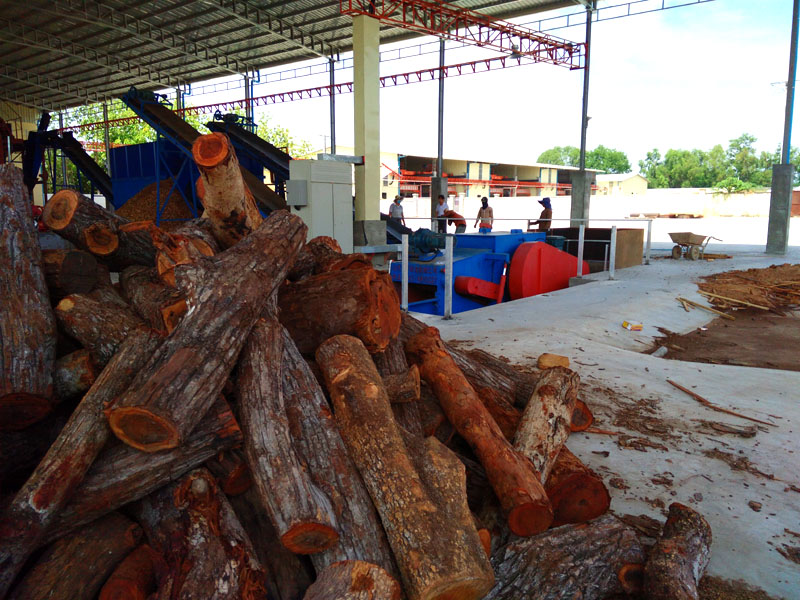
(354,580)
(576,492)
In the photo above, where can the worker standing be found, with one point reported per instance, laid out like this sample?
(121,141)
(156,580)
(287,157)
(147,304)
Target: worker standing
(453,218)
(441,208)
(545,219)
(396,211)
(485,216)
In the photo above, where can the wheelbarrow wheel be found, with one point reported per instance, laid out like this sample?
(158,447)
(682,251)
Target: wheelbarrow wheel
(676,252)
(694,252)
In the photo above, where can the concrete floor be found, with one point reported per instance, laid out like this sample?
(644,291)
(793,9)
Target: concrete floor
(628,393)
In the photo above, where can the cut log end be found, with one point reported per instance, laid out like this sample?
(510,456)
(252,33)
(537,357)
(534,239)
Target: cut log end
(577,499)
(529,518)
(470,589)
(309,538)
(100,239)
(173,314)
(59,209)
(20,409)
(143,430)
(582,417)
(631,578)
(210,150)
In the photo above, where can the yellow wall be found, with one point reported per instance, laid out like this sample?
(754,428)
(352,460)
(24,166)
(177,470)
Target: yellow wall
(635,184)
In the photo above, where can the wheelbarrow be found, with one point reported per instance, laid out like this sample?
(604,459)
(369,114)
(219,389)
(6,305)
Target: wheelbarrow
(690,245)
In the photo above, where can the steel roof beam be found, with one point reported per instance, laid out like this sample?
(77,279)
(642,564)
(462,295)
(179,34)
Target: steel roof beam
(51,85)
(31,100)
(261,19)
(96,13)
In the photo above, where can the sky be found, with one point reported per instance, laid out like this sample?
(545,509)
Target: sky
(685,78)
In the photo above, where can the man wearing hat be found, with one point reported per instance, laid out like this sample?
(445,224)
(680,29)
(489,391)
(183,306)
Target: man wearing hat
(396,211)
(546,216)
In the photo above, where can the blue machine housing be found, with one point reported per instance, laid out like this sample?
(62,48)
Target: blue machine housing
(475,255)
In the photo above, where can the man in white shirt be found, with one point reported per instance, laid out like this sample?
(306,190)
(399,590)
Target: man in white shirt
(396,211)
(441,208)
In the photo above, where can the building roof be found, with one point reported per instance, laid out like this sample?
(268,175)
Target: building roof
(62,53)
(603,177)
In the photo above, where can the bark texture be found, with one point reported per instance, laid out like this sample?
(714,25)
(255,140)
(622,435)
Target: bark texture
(134,578)
(69,272)
(27,326)
(512,476)
(354,580)
(545,424)
(433,561)
(71,215)
(574,561)
(358,302)
(74,375)
(576,492)
(231,471)
(402,387)
(158,304)
(392,362)
(78,565)
(680,557)
(226,295)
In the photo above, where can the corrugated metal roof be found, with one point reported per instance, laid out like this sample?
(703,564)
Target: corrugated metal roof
(60,53)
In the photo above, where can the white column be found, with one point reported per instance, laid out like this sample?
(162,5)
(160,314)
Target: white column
(366,45)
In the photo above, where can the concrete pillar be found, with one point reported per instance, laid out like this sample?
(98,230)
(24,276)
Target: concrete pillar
(366,42)
(780,207)
(438,186)
(582,182)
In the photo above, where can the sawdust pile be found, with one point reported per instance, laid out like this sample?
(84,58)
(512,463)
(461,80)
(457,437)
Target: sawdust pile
(776,287)
(142,206)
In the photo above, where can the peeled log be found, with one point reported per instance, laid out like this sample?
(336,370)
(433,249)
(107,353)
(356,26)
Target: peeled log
(318,442)
(299,510)
(574,561)
(680,557)
(358,302)
(69,272)
(576,492)
(403,387)
(36,506)
(134,578)
(27,326)
(512,476)
(228,203)
(545,424)
(76,566)
(74,375)
(100,327)
(160,305)
(354,580)
(433,561)
(226,295)
(121,474)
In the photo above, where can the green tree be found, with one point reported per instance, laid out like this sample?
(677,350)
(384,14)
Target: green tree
(742,156)
(653,169)
(568,156)
(733,185)
(281,137)
(608,160)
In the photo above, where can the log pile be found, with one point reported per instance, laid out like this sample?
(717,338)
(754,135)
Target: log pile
(272,426)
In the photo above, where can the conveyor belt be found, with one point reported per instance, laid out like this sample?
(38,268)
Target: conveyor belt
(275,160)
(73,150)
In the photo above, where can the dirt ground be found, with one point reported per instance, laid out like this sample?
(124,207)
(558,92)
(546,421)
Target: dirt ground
(755,339)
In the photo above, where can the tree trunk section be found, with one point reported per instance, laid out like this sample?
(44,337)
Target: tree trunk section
(134,578)
(576,492)
(391,362)
(354,580)
(512,476)
(226,295)
(358,302)
(69,272)
(228,203)
(288,574)
(680,556)
(121,474)
(72,215)
(160,305)
(61,471)
(323,254)
(27,326)
(77,566)
(433,561)
(545,424)
(186,245)
(582,417)
(74,375)
(100,327)
(402,387)
(318,442)
(230,469)
(299,510)
(574,561)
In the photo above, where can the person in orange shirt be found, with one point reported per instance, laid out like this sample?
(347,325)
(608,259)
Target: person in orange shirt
(453,218)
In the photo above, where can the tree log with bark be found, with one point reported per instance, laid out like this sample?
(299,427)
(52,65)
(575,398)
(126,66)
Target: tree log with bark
(680,557)
(576,492)
(231,471)
(74,375)
(403,387)
(582,417)
(27,326)
(186,245)
(433,559)
(71,214)
(574,561)
(392,363)
(226,295)
(299,510)
(78,565)
(323,254)
(358,302)
(160,305)
(354,580)
(512,476)
(69,272)
(134,578)
(545,424)
(228,203)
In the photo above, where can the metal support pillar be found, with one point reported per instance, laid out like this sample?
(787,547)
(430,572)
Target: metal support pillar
(440,155)
(612,253)
(448,277)
(581,238)
(248,104)
(179,100)
(780,203)
(581,193)
(106,139)
(63,161)
(331,64)
(404,274)
(649,244)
